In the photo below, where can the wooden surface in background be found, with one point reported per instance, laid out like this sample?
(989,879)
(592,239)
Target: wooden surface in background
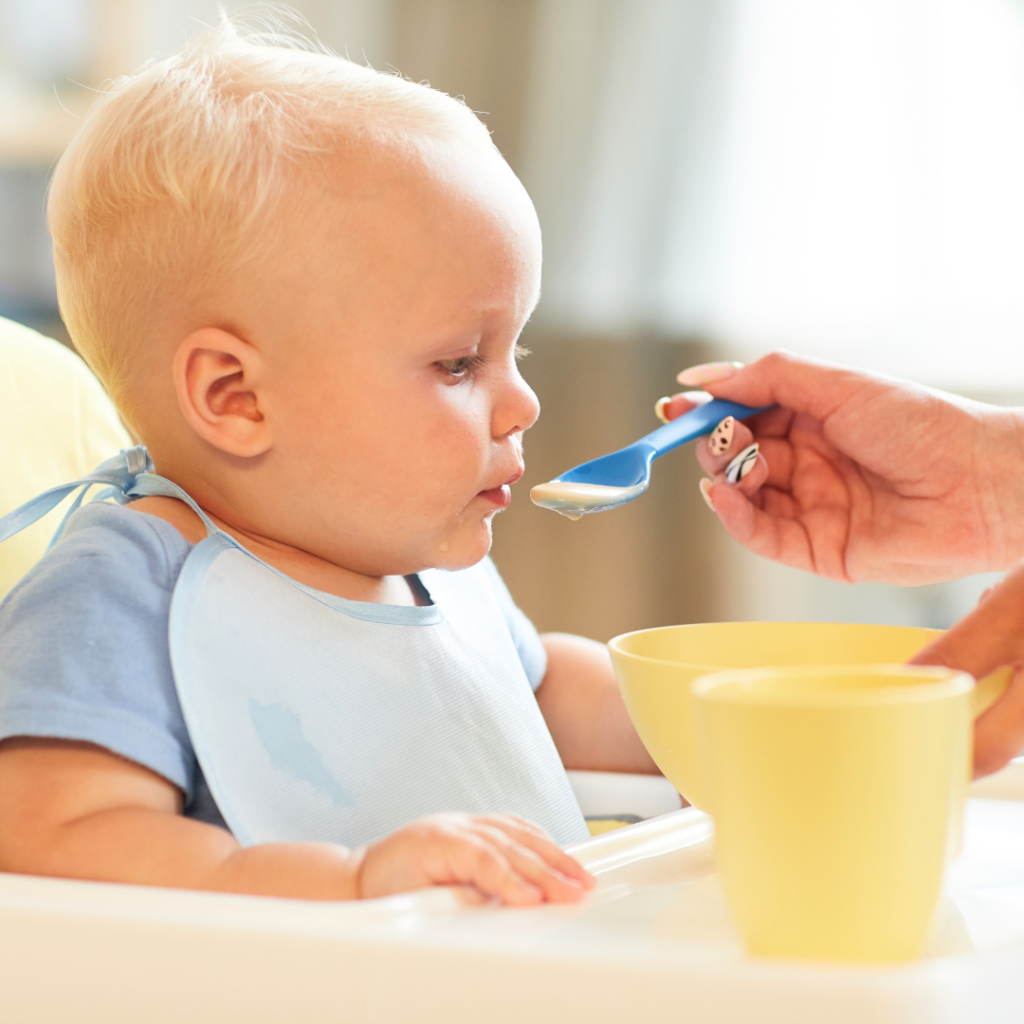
(649,563)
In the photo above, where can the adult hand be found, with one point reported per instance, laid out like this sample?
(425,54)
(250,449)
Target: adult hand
(865,477)
(989,637)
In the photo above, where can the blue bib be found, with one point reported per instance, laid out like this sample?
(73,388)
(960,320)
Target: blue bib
(315,718)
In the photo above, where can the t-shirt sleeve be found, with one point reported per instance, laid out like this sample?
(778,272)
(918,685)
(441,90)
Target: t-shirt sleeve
(531,651)
(83,643)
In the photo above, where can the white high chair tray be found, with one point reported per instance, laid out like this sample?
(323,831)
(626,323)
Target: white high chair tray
(654,943)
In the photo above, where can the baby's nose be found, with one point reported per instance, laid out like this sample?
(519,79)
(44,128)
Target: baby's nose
(518,411)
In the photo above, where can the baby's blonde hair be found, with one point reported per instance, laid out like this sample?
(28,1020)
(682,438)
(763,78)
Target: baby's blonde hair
(177,171)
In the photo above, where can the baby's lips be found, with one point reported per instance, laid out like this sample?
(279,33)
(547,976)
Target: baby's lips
(507,482)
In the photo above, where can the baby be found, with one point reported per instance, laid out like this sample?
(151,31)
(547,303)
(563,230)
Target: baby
(288,667)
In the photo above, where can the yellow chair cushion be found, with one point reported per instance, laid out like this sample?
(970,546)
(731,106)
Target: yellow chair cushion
(56,424)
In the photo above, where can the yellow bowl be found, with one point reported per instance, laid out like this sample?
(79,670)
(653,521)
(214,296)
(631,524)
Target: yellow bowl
(655,668)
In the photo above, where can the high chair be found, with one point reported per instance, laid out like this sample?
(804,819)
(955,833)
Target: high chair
(56,424)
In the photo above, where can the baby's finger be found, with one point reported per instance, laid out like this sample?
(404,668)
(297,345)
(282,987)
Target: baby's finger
(472,860)
(535,840)
(532,865)
(556,887)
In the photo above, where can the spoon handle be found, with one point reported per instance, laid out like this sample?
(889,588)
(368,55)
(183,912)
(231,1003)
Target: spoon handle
(695,423)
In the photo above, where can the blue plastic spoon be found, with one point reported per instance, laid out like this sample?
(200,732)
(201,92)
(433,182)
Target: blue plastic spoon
(621,477)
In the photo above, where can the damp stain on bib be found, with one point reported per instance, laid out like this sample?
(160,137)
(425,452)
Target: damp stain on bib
(280,731)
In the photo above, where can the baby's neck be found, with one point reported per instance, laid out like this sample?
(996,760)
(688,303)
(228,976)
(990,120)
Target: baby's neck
(299,565)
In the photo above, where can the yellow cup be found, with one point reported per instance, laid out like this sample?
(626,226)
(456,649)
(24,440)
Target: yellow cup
(656,667)
(837,794)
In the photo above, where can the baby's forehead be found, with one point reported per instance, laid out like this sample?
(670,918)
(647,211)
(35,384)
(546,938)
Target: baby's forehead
(386,231)
(362,163)
(378,187)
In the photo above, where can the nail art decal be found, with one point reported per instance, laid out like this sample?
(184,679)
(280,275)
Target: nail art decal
(741,465)
(659,408)
(720,440)
(705,492)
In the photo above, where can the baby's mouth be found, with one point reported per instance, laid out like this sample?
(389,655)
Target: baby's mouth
(501,496)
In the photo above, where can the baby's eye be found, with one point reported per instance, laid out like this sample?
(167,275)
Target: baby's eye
(461,368)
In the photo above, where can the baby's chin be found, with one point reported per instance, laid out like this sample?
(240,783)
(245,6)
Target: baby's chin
(463,548)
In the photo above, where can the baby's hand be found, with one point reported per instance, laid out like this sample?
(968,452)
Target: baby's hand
(501,855)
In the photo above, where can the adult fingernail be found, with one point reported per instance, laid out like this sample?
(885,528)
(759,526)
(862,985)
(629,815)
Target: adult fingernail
(707,373)
(741,465)
(705,492)
(697,397)
(720,440)
(659,408)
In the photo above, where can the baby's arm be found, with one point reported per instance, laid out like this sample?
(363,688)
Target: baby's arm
(583,708)
(76,810)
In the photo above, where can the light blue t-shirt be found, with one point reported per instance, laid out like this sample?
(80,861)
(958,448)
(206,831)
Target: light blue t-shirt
(84,650)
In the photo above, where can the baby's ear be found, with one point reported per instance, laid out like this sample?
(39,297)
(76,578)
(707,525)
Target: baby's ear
(218,378)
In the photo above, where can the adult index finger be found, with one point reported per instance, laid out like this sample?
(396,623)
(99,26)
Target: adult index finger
(794,382)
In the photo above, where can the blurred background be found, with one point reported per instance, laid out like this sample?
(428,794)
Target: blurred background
(714,178)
